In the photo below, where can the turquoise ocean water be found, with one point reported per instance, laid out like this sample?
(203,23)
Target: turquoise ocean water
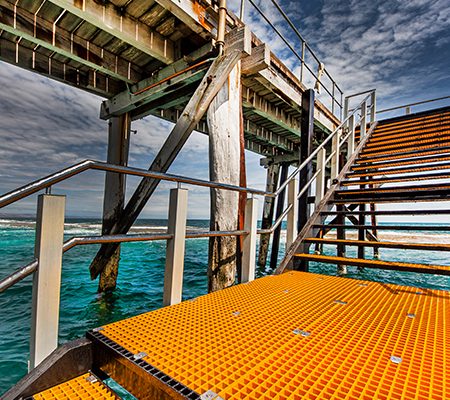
(140,282)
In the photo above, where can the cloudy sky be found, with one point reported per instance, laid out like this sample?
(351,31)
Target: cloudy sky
(402,48)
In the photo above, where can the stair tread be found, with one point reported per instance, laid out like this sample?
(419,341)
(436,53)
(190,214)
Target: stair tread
(442,228)
(394,245)
(85,386)
(392,265)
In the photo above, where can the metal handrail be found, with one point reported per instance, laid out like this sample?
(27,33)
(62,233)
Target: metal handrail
(305,45)
(31,267)
(413,104)
(318,148)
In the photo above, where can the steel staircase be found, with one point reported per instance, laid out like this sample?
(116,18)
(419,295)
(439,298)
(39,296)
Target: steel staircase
(405,160)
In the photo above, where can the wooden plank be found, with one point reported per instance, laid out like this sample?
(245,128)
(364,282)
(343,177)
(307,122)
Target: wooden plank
(41,32)
(378,264)
(105,16)
(194,111)
(387,245)
(259,60)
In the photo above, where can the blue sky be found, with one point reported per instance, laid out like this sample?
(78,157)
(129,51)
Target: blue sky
(400,47)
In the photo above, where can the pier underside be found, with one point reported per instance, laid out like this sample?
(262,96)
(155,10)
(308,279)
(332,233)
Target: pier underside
(295,335)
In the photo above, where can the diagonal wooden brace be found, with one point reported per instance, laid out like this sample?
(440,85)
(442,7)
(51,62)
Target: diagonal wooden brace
(191,116)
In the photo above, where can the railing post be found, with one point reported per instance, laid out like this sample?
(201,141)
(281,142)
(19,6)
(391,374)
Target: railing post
(292,216)
(249,247)
(335,148)
(373,110)
(346,103)
(363,119)
(47,278)
(351,138)
(320,181)
(173,277)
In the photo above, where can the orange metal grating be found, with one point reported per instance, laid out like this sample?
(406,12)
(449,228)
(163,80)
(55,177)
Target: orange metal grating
(301,336)
(83,387)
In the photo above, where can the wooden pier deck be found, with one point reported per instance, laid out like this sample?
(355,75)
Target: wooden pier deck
(296,335)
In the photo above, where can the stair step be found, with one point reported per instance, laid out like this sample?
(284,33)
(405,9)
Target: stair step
(430,188)
(86,386)
(409,161)
(434,228)
(410,130)
(377,264)
(419,145)
(114,355)
(386,128)
(401,156)
(389,212)
(408,178)
(401,140)
(398,171)
(387,245)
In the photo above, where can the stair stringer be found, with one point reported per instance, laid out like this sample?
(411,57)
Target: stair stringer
(298,246)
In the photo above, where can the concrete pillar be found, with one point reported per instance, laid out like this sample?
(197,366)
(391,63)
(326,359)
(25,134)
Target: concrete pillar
(114,194)
(47,278)
(224,121)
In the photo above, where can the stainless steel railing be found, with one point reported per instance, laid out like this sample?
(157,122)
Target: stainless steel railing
(407,107)
(53,220)
(335,92)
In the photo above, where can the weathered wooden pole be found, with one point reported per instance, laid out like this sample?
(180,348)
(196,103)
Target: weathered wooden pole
(114,194)
(273,173)
(280,208)
(224,125)
(192,114)
(306,136)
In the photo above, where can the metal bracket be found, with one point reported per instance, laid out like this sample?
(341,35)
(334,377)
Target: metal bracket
(139,356)
(302,333)
(210,395)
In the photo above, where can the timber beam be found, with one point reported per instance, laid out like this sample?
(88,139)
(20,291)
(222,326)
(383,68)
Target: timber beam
(254,103)
(188,70)
(105,16)
(48,35)
(183,72)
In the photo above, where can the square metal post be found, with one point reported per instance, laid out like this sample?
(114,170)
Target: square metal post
(249,245)
(47,278)
(320,181)
(336,149)
(173,277)
(373,109)
(351,138)
(292,216)
(363,120)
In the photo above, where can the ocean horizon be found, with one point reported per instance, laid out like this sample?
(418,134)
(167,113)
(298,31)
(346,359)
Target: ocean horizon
(141,277)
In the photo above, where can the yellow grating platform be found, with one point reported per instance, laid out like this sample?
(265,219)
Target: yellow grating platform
(83,387)
(301,336)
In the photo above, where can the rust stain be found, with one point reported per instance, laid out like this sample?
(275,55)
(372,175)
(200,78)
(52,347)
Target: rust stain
(200,12)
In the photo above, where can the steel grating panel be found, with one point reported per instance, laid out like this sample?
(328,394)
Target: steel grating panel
(86,386)
(300,336)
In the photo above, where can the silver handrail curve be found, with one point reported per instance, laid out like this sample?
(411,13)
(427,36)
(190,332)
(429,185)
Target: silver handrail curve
(28,269)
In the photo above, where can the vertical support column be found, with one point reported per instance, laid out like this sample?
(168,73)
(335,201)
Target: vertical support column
(340,233)
(47,278)
(224,121)
(114,194)
(173,276)
(373,109)
(292,216)
(361,221)
(249,246)
(320,181)
(346,104)
(351,138)
(376,250)
(280,207)
(306,137)
(335,148)
(273,173)
(363,120)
